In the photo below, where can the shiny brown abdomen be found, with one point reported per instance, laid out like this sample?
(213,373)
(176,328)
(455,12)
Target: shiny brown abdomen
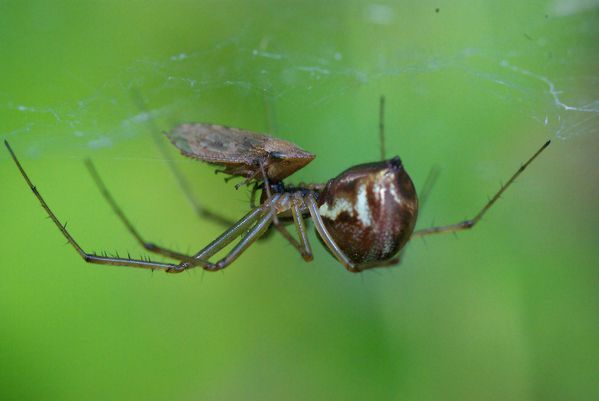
(370,210)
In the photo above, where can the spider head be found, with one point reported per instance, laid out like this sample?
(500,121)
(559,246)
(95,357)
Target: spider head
(370,210)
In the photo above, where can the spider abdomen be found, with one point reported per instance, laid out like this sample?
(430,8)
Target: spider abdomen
(370,210)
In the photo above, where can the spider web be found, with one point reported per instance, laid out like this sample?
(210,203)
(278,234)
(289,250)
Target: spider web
(549,80)
(446,69)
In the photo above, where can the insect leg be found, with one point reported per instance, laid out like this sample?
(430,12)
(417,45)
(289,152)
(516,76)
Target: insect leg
(88,257)
(268,192)
(253,195)
(467,224)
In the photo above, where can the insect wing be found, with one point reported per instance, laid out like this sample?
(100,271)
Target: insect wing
(240,152)
(219,144)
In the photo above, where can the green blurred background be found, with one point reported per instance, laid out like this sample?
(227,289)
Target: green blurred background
(507,311)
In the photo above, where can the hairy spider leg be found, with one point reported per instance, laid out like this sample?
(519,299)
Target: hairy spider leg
(261,214)
(275,219)
(235,231)
(467,224)
(255,232)
(326,237)
(200,210)
(428,185)
(423,196)
(149,246)
(91,258)
(303,249)
(278,199)
(304,245)
(432,175)
(382,126)
(334,248)
(216,245)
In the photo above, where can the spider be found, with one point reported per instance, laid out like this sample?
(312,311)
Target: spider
(364,216)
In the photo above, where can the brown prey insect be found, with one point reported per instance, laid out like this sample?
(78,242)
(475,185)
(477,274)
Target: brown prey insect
(364,216)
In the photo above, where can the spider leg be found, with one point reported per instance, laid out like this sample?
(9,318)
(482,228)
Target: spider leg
(201,257)
(235,231)
(275,219)
(149,246)
(200,210)
(334,248)
(253,195)
(326,236)
(88,257)
(423,196)
(252,235)
(382,126)
(263,214)
(467,224)
(429,183)
(303,246)
(298,220)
